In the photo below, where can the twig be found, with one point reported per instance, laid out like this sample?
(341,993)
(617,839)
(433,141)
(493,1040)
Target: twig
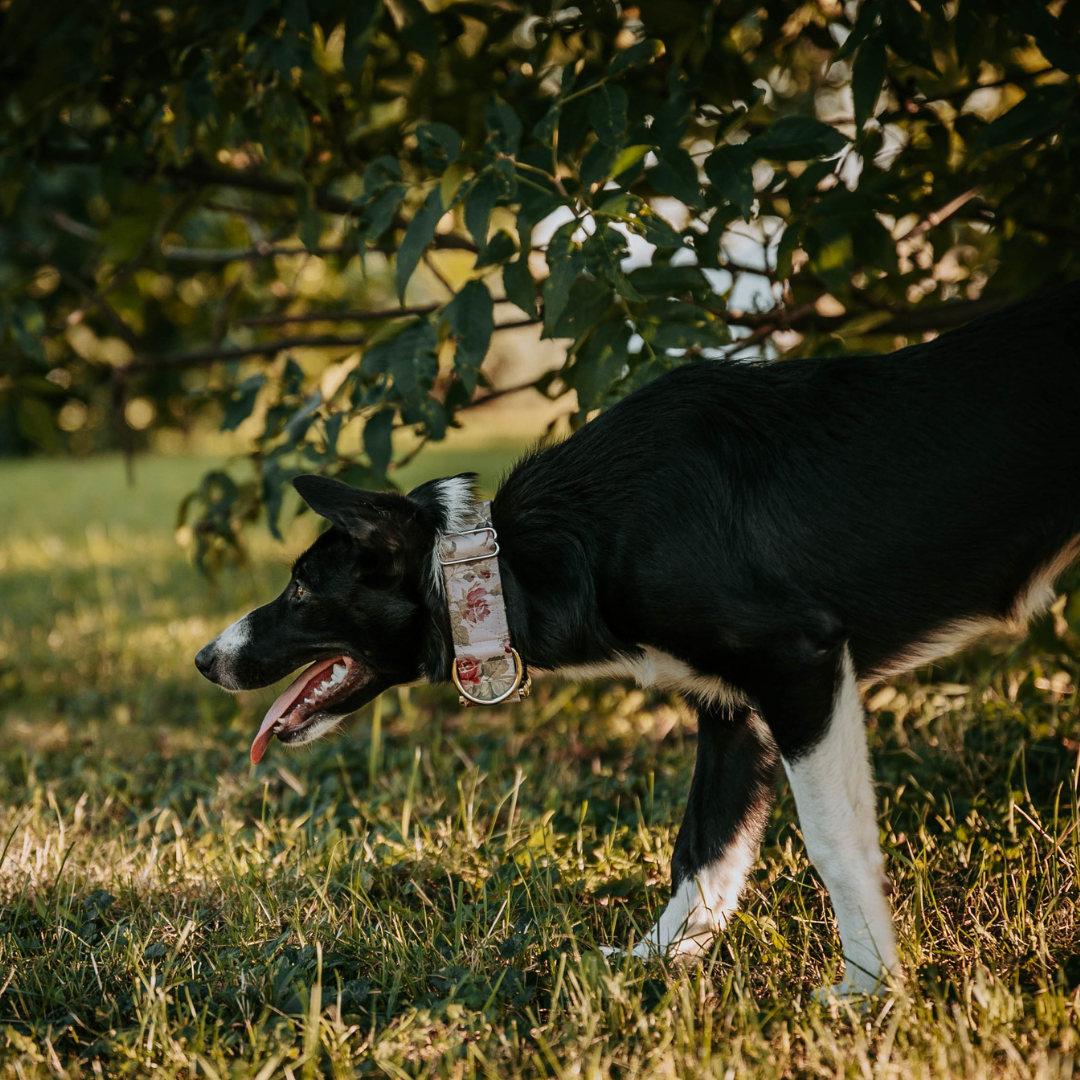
(936,217)
(198,357)
(430,264)
(394,465)
(357,315)
(237,352)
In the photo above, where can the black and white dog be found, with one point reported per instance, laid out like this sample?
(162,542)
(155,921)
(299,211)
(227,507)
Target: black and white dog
(762,538)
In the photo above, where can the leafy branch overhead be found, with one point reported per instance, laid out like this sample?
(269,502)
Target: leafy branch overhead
(182,187)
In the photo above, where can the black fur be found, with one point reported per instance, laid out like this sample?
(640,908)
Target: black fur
(750,520)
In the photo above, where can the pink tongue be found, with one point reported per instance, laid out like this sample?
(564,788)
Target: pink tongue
(286,700)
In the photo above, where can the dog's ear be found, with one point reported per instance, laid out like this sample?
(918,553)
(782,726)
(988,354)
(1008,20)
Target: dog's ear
(373,517)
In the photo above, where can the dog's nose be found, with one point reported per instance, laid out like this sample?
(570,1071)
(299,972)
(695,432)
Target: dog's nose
(205,659)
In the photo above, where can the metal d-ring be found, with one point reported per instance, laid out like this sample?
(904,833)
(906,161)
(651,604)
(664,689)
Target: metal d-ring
(522,689)
(475,558)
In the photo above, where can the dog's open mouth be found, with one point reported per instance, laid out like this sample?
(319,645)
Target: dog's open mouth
(307,699)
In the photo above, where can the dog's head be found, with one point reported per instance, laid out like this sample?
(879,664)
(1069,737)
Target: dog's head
(362,609)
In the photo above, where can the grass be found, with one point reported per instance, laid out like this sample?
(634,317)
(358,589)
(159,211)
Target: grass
(424,895)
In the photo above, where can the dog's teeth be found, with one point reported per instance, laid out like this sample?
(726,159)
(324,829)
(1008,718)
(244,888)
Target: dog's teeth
(340,671)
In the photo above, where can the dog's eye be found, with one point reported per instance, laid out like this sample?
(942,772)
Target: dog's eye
(300,590)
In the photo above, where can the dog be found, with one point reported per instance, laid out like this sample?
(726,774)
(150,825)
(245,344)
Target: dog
(762,538)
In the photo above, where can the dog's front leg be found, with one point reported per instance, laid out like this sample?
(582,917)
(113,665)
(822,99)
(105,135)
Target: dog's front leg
(726,813)
(828,765)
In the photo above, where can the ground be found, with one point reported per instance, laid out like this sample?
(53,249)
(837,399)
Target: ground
(425,893)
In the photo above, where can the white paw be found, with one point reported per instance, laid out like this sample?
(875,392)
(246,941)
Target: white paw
(643,950)
(861,990)
(686,949)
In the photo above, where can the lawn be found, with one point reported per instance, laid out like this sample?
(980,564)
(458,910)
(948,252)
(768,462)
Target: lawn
(424,894)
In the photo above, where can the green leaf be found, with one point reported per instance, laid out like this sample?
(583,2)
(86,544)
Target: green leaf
(600,363)
(471,318)
(867,77)
(596,165)
(797,138)
(482,196)
(519,284)
(450,185)
(656,229)
(544,128)
(381,171)
(378,445)
(565,262)
(869,11)
(378,214)
(500,249)
(417,237)
(503,125)
(675,174)
(607,114)
(628,158)
(644,52)
(1044,108)
(661,280)
(729,168)
(439,144)
(906,35)
(242,402)
(403,339)
(361,20)
(789,242)
(590,301)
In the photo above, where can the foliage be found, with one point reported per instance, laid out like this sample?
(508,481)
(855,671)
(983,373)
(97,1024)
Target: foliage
(180,183)
(425,899)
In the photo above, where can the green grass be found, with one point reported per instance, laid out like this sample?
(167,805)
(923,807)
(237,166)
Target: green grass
(429,903)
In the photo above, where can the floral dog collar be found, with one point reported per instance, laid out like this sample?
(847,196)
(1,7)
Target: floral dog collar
(486,669)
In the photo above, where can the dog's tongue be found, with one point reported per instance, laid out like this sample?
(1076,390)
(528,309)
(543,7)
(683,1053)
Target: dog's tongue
(288,697)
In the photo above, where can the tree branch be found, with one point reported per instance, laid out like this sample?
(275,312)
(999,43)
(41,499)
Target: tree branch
(266,250)
(357,315)
(197,357)
(936,217)
(913,321)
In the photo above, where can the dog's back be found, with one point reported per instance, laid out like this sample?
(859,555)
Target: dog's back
(937,482)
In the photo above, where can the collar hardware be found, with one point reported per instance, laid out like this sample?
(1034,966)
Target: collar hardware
(473,558)
(486,670)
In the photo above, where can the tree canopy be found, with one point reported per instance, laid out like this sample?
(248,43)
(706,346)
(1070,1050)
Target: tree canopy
(204,208)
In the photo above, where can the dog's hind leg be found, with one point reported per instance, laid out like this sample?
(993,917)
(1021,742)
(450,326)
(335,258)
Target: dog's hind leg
(827,762)
(726,812)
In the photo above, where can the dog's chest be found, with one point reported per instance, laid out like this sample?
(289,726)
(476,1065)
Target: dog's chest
(654,669)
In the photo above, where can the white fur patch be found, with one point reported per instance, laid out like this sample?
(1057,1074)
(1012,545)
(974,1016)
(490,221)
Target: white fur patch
(1036,596)
(1039,593)
(234,637)
(228,643)
(659,670)
(951,638)
(702,906)
(834,795)
(457,498)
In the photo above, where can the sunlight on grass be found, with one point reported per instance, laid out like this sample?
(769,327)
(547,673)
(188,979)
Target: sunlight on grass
(430,903)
